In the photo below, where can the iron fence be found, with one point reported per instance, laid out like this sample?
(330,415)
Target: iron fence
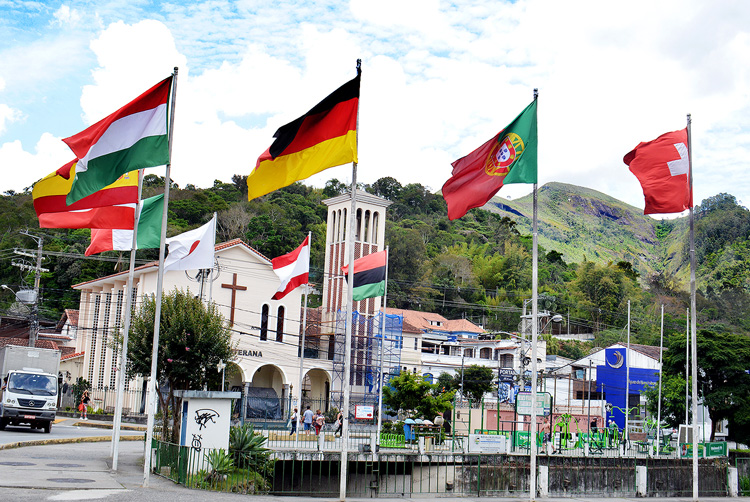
(743,475)
(436,474)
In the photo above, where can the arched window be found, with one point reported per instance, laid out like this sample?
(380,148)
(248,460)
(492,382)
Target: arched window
(375,222)
(485,353)
(280,325)
(366,234)
(264,322)
(427,377)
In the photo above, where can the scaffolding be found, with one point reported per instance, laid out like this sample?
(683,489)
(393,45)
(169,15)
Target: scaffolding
(367,341)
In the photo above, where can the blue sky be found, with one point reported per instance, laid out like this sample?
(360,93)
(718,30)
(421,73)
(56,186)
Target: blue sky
(439,79)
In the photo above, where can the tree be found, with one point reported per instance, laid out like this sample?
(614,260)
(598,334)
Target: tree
(477,381)
(193,338)
(723,381)
(412,395)
(672,399)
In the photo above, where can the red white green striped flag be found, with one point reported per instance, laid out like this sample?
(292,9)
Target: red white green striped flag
(134,137)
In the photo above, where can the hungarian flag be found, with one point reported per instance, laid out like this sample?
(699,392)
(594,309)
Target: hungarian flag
(369,275)
(149,231)
(111,207)
(134,137)
(192,250)
(292,268)
(509,157)
(663,168)
(324,137)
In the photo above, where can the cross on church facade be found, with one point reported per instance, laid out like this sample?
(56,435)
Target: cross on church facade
(234,287)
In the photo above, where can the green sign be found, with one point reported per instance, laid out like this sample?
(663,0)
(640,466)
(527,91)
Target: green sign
(705,450)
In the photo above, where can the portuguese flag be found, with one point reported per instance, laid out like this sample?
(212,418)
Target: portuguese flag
(509,157)
(324,137)
(134,137)
(369,275)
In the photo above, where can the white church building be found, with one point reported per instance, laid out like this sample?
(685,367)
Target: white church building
(266,332)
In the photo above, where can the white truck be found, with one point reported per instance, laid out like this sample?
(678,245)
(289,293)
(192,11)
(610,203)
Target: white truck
(29,388)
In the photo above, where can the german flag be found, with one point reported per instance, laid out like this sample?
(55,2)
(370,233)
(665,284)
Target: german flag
(110,207)
(324,137)
(369,275)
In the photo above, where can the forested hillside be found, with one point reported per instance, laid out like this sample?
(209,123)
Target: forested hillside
(596,253)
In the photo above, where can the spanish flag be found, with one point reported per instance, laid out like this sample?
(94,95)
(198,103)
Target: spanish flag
(324,137)
(111,207)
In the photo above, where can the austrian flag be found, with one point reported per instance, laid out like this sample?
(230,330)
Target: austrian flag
(663,168)
(293,269)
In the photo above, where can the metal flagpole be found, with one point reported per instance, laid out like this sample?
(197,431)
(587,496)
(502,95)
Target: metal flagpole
(382,342)
(687,367)
(117,420)
(625,434)
(661,372)
(157,315)
(302,349)
(693,330)
(534,329)
(349,320)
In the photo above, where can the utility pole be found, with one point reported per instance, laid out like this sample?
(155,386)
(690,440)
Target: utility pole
(34,324)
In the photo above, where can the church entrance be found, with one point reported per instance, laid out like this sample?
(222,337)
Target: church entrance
(316,389)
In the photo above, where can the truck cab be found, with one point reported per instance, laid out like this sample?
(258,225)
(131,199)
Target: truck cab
(29,398)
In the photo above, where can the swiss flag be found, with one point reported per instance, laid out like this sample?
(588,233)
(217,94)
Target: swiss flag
(663,168)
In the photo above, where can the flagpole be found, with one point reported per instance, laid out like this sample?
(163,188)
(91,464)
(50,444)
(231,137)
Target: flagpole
(159,285)
(302,347)
(661,371)
(625,434)
(687,367)
(382,342)
(349,319)
(117,420)
(693,330)
(534,329)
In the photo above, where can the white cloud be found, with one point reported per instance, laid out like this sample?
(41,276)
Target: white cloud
(22,168)
(65,16)
(7,116)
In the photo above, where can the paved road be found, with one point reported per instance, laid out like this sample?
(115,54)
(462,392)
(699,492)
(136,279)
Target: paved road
(63,428)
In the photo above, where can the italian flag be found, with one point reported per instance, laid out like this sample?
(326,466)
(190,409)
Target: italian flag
(149,231)
(134,137)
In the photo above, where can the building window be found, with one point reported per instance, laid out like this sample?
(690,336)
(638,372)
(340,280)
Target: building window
(105,337)
(416,344)
(485,353)
(280,325)
(469,353)
(94,331)
(264,323)
(427,377)
(375,223)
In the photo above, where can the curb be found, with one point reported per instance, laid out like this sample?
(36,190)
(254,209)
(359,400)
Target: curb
(43,442)
(96,425)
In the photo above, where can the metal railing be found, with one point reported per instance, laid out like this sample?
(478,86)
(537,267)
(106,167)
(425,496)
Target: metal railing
(408,473)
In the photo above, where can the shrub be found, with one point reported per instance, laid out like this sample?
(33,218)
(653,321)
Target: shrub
(221,465)
(246,448)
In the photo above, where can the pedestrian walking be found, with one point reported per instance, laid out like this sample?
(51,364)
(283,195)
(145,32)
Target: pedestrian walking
(339,423)
(308,420)
(294,420)
(319,421)
(83,407)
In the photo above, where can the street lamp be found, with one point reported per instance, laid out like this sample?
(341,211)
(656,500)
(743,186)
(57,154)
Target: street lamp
(220,367)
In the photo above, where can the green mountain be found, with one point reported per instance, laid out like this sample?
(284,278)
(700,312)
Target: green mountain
(584,224)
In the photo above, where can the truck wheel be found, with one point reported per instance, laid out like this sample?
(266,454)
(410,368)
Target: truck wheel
(47,427)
